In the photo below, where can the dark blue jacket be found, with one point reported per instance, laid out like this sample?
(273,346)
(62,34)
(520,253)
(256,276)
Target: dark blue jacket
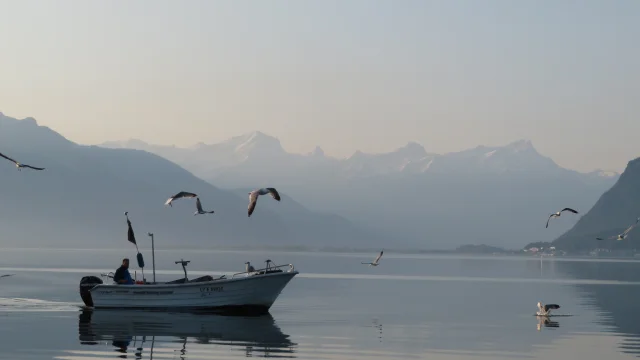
(122,274)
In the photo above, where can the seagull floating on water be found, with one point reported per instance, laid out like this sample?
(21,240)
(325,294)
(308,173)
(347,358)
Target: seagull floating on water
(253,197)
(19,165)
(180,195)
(623,235)
(199,208)
(558,214)
(375,262)
(545,310)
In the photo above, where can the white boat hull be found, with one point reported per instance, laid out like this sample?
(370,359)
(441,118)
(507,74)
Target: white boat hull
(247,293)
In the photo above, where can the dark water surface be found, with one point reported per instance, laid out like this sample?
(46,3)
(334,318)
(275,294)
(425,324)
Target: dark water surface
(409,307)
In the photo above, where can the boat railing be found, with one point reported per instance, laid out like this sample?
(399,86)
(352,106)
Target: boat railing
(269,268)
(109,275)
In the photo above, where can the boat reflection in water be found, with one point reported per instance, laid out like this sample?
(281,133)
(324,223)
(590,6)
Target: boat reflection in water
(140,333)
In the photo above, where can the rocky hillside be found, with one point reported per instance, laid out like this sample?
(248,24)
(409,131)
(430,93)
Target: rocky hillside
(614,212)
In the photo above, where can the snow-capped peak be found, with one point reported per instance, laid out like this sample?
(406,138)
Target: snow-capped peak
(126,144)
(413,150)
(255,144)
(255,137)
(520,145)
(356,154)
(486,155)
(604,173)
(317,151)
(250,138)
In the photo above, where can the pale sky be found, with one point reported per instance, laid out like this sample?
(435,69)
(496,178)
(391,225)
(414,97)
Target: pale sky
(345,75)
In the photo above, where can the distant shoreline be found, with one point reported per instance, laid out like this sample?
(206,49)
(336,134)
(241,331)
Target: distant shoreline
(515,253)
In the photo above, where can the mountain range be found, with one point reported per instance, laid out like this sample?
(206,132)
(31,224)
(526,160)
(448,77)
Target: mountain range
(495,195)
(262,154)
(80,198)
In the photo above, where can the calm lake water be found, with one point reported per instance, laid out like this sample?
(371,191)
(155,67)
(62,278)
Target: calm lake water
(409,307)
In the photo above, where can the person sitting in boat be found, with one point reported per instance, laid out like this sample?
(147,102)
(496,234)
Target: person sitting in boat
(122,275)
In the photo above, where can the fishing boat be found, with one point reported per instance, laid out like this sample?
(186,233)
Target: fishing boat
(251,291)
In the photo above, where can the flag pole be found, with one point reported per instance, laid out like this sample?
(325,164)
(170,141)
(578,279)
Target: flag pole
(132,238)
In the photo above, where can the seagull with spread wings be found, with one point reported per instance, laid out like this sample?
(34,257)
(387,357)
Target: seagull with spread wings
(253,197)
(20,165)
(199,210)
(375,262)
(623,235)
(557,214)
(180,195)
(545,310)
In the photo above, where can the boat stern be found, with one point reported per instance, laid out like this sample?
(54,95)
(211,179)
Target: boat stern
(86,284)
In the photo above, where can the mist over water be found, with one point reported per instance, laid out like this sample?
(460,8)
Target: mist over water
(409,307)
(409,126)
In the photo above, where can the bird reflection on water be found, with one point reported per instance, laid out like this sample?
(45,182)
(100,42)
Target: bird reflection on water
(378,325)
(545,321)
(130,332)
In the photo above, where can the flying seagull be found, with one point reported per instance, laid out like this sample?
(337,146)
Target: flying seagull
(181,194)
(199,207)
(623,235)
(375,262)
(19,165)
(253,197)
(7,275)
(545,310)
(558,214)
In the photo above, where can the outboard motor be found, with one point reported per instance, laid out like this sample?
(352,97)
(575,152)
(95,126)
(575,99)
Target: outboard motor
(87,283)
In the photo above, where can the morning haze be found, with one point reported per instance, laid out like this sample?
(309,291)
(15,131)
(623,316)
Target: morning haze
(439,138)
(358,75)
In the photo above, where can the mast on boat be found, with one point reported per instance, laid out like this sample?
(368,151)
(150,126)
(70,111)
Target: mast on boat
(153,257)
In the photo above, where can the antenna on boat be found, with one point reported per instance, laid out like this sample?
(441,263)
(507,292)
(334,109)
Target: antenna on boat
(184,267)
(153,257)
(132,238)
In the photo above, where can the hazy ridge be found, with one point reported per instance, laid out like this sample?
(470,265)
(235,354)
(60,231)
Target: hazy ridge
(80,198)
(493,195)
